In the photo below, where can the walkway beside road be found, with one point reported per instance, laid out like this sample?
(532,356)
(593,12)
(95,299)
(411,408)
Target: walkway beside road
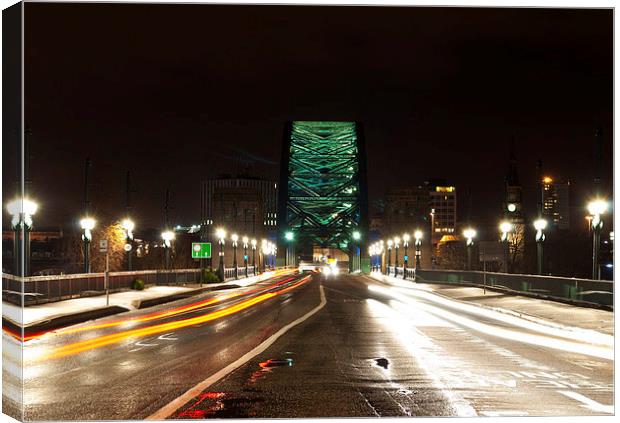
(541,311)
(77,310)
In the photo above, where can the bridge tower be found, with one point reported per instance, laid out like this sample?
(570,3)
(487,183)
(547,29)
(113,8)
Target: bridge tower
(322,194)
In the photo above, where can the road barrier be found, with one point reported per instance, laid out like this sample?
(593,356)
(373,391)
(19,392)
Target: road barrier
(45,289)
(552,287)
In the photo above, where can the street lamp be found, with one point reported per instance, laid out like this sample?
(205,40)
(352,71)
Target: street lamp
(355,265)
(22,210)
(245,254)
(235,238)
(396,245)
(167,236)
(289,236)
(128,225)
(371,253)
(389,260)
(253,242)
(406,256)
(470,234)
(87,224)
(539,225)
(220,233)
(417,235)
(596,209)
(505,228)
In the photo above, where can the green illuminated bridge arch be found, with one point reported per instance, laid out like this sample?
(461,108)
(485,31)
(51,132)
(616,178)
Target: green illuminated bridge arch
(323,199)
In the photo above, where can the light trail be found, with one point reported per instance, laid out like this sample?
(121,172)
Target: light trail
(101,341)
(148,317)
(513,335)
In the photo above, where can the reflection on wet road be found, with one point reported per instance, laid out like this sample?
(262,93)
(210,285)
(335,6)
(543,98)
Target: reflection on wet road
(316,346)
(381,350)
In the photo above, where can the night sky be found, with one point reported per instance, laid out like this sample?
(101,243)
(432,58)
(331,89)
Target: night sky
(179,93)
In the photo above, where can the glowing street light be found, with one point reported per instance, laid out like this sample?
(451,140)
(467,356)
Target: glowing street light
(469,234)
(417,235)
(396,246)
(389,260)
(235,238)
(167,236)
(540,225)
(245,240)
(596,208)
(128,225)
(253,242)
(290,259)
(87,224)
(21,210)
(505,228)
(220,233)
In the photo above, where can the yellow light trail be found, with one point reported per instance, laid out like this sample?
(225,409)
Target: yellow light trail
(149,317)
(98,342)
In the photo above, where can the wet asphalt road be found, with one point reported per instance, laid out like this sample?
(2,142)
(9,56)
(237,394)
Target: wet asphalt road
(372,350)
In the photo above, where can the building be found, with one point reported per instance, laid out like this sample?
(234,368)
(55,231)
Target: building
(443,210)
(406,209)
(243,204)
(555,197)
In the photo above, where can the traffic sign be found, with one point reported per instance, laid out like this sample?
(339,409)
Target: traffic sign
(201,250)
(103,245)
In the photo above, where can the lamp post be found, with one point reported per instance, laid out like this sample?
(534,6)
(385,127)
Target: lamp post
(235,238)
(389,260)
(264,253)
(596,209)
(167,236)
(290,237)
(470,234)
(221,236)
(406,256)
(253,242)
(417,235)
(396,245)
(539,225)
(128,225)
(245,254)
(505,228)
(87,224)
(371,253)
(22,211)
(356,235)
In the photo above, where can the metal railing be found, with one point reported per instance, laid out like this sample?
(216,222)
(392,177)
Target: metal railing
(588,290)
(45,289)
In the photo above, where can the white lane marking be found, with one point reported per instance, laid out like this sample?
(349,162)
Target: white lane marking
(139,343)
(505,413)
(165,337)
(135,349)
(168,409)
(589,403)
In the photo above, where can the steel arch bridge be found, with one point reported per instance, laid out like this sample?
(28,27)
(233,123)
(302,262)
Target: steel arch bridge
(322,196)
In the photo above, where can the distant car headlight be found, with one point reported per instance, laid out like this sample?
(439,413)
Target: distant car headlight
(327,270)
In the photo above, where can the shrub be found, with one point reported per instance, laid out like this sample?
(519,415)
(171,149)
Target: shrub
(137,284)
(210,277)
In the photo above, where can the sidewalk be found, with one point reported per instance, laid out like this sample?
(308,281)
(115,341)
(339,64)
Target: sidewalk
(546,312)
(78,310)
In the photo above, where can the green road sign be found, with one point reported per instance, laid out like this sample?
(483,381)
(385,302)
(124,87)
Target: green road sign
(201,250)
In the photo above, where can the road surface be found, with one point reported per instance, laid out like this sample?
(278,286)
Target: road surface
(315,346)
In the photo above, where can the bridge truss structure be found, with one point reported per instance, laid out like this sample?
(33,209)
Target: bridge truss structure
(322,196)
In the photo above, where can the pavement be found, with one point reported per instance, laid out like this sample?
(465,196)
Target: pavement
(338,346)
(547,312)
(78,310)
